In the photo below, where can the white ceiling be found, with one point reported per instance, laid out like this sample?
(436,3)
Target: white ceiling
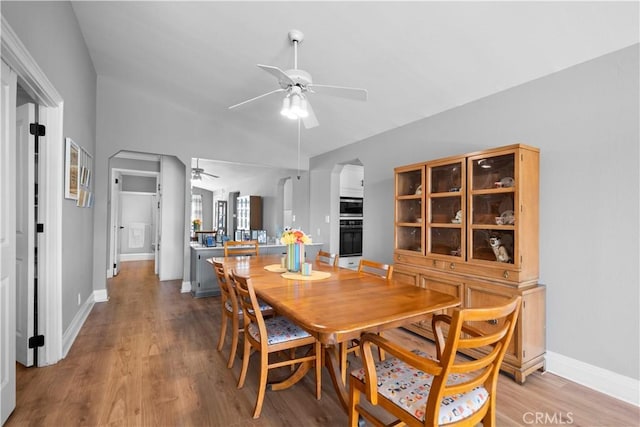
(416,59)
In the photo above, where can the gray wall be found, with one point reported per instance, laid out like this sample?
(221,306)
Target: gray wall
(51,34)
(585,121)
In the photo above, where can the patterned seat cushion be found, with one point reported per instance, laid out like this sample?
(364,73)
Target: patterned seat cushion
(279,329)
(409,388)
(263,306)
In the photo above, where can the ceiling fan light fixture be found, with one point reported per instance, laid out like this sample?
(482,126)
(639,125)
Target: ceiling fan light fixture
(286,107)
(303,113)
(294,107)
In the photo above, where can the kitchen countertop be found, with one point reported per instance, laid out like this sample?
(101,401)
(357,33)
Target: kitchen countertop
(198,246)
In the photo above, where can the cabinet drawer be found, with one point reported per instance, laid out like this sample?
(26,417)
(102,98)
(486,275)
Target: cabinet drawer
(447,286)
(405,276)
(477,296)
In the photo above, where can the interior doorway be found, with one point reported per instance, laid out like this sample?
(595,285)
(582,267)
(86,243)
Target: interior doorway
(134,212)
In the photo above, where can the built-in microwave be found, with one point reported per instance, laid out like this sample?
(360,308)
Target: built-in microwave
(351,207)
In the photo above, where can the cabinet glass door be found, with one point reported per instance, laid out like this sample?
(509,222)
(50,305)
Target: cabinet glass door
(446,206)
(221,217)
(493,213)
(409,209)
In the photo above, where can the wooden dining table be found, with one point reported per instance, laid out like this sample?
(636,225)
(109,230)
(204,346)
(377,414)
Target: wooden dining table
(336,308)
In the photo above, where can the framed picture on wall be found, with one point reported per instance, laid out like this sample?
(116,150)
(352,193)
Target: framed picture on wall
(71,164)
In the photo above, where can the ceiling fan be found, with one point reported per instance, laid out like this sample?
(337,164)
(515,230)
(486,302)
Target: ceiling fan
(197,172)
(297,84)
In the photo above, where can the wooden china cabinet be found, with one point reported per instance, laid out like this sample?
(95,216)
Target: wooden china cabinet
(468,225)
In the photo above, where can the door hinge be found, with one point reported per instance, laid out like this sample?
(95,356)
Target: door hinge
(39,228)
(37,341)
(114,265)
(36,129)
(158,205)
(116,180)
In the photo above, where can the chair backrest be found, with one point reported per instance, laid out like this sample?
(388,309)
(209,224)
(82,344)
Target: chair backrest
(489,329)
(248,247)
(249,303)
(327,258)
(226,287)
(383,270)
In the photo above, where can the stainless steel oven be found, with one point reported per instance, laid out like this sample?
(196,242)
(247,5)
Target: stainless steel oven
(350,237)
(351,207)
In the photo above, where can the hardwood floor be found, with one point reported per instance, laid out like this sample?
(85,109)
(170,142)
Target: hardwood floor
(148,357)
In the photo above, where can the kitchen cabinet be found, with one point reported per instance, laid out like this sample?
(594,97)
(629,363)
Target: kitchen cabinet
(203,279)
(204,282)
(352,181)
(468,225)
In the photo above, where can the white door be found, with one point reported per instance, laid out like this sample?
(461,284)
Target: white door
(155,229)
(25,232)
(8,80)
(116,213)
(172,222)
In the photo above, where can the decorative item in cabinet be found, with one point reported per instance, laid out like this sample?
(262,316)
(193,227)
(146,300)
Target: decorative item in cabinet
(409,211)
(446,206)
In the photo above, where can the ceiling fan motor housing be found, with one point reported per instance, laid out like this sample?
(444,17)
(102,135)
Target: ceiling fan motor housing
(299,77)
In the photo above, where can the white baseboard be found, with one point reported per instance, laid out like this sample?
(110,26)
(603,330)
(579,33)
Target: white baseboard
(137,257)
(186,287)
(69,336)
(100,295)
(602,380)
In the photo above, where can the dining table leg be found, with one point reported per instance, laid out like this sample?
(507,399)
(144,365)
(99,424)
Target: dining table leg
(332,362)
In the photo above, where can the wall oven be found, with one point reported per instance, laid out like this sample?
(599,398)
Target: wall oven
(351,207)
(350,237)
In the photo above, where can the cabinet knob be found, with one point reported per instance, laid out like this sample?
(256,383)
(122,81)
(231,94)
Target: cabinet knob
(505,274)
(452,266)
(492,322)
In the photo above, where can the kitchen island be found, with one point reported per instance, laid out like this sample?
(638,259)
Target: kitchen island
(203,279)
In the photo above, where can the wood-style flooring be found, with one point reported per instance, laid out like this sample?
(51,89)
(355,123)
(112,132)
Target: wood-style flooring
(148,357)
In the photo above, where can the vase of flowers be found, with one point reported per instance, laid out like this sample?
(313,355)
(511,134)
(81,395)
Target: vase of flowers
(295,241)
(196,224)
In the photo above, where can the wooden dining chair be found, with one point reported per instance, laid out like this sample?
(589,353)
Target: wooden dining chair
(327,258)
(420,391)
(271,335)
(246,247)
(232,311)
(370,267)
(373,267)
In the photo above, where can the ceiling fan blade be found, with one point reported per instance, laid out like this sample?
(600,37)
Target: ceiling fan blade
(257,97)
(344,92)
(210,174)
(310,121)
(282,77)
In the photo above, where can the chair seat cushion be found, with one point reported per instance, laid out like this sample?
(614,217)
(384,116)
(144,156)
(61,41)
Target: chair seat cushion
(409,388)
(279,329)
(263,306)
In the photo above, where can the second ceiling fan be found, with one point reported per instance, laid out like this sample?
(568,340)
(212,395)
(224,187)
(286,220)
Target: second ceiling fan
(297,84)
